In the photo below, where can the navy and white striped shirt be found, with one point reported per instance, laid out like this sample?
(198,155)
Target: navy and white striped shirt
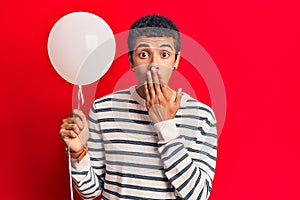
(130,158)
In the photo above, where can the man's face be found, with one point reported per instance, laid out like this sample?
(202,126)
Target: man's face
(157,52)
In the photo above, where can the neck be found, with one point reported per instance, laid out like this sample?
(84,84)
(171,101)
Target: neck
(141,91)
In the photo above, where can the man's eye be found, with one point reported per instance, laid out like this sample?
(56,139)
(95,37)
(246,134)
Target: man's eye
(143,54)
(165,54)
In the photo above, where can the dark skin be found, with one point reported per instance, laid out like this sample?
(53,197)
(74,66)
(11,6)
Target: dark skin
(161,102)
(74,130)
(153,61)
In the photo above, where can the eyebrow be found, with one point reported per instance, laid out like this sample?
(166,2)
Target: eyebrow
(167,45)
(142,45)
(148,46)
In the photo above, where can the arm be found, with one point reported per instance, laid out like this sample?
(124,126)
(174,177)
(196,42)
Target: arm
(189,161)
(189,164)
(88,174)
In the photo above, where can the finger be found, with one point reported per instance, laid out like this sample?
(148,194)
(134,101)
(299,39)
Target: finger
(163,85)
(67,134)
(72,127)
(150,85)
(79,123)
(68,120)
(79,118)
(178,96)
(147,95)
(79,113)
(156,81)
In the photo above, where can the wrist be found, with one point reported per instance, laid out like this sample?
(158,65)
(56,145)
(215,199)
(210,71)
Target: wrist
(166,131)
(78,154)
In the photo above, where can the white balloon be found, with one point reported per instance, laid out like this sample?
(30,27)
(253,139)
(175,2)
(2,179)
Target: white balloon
(81,47)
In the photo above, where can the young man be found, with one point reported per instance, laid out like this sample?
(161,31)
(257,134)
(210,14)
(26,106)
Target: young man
(149,141)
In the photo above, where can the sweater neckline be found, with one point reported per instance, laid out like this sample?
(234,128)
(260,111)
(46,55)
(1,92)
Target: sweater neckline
(135,96)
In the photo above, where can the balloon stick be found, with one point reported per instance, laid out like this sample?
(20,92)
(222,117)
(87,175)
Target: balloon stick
(80,97)
(70,172)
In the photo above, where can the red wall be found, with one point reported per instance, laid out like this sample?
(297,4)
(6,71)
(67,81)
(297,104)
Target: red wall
(255,45)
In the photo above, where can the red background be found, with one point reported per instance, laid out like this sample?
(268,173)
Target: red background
(255,45)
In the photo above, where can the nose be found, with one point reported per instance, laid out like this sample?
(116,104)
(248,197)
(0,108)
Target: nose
(154,62)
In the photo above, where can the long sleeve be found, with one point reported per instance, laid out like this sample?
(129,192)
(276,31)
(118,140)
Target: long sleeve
(128,158)
(88,175)
(189,162)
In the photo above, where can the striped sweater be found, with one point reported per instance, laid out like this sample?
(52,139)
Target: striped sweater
(130,158)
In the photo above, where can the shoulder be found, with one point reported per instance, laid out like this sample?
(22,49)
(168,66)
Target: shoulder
(115,98)
(193,106)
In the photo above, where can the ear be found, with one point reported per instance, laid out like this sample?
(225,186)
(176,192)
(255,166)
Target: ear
(177,60)
(130,60)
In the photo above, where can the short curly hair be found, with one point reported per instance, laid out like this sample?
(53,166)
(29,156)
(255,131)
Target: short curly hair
(153,26)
